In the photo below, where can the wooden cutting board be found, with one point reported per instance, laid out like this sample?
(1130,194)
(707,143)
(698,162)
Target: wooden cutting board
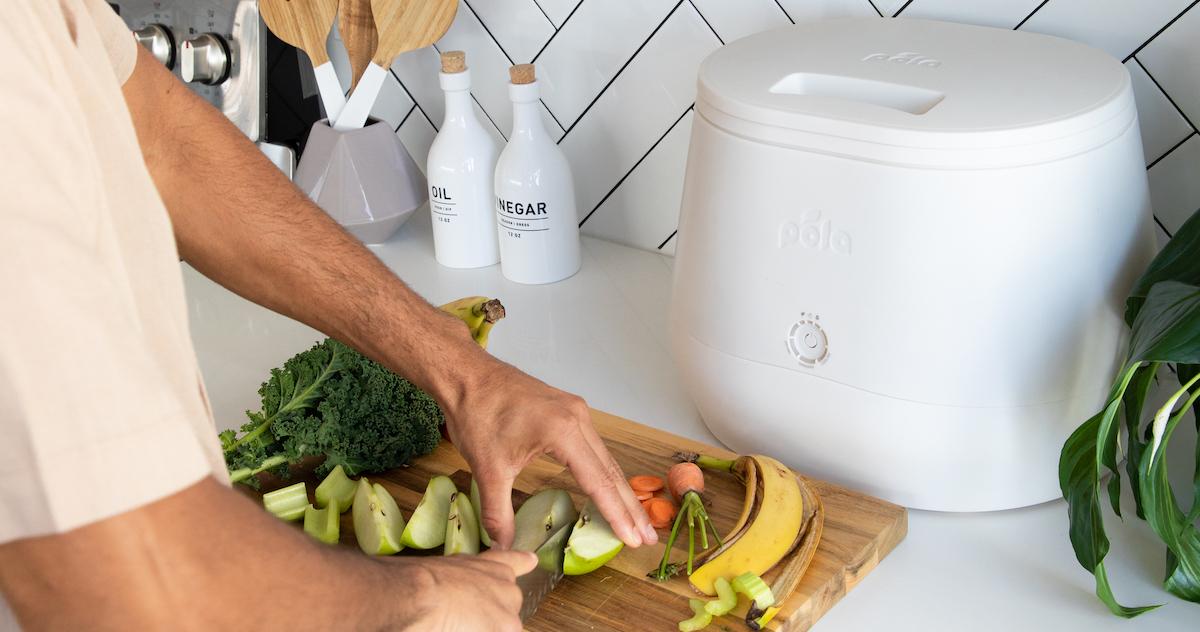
(860,531)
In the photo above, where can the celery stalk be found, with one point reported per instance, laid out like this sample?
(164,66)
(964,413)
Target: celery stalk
(287,503)
(336,488)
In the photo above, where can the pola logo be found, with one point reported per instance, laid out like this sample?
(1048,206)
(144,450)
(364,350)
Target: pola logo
(814,233)
(907,59)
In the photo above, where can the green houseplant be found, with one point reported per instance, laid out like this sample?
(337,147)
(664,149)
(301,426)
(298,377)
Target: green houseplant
(1163,313)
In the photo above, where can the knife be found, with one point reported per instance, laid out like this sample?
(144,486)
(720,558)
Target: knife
(538,583)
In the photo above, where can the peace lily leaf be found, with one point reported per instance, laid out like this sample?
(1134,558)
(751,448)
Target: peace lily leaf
(1134,401)
(1177,261)
(1166,329)
(1162,508)
(1187,372)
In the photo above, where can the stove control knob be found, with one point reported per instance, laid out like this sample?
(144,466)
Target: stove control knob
(204,59)
(157,39)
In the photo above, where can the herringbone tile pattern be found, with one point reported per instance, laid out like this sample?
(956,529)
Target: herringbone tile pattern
(618,84)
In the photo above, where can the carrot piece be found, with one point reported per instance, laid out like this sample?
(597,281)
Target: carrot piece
(645,483)
(661,511)
(643,495)
(683,478)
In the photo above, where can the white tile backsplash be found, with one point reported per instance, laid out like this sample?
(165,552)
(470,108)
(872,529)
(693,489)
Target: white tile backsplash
(1173,58)
(638,107)
(620,75)
(519,26)
(999,13)
(734,20)
(1175,185)
(637,213)
(1117,26)
(1162,125)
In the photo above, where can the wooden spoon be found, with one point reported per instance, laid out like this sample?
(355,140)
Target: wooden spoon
(305,24)
(403,25)
(357,27)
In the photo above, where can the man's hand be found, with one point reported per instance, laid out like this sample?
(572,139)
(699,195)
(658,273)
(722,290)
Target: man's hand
(503,419)
(466,593)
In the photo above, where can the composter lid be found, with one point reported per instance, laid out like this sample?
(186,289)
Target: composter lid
(916,84)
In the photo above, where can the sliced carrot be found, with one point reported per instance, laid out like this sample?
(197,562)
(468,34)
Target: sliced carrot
(662,512)
(646,483)
(643,495)
(683,478)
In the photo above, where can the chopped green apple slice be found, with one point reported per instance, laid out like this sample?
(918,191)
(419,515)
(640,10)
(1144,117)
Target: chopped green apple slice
(427,527)
(540,517)
(592,543)
(462,529)
(475,504)
(322,524)
(377,519)
(287,503)
(336,488)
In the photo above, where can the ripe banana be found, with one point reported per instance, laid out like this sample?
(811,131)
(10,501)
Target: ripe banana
(480,313)
(772,522)
(795,564)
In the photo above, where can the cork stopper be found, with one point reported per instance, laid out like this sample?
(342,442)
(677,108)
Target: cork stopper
(454,61)
(522,74)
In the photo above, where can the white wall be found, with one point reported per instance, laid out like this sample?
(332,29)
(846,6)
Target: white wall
(618,83)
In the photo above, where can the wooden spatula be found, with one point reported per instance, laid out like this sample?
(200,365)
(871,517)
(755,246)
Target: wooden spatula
(403,25)
(357,27)
(305,24)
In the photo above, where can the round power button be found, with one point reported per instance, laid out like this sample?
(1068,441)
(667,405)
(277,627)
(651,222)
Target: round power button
(807,341)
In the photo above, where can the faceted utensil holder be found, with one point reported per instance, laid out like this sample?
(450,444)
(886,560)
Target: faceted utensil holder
(363,178)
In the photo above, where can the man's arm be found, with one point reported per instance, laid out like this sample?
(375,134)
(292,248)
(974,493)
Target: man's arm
(240,222)
(207,559)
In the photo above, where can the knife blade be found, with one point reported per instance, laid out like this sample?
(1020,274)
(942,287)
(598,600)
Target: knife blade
(538,583)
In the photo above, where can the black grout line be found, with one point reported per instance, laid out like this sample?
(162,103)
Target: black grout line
(557,31)
(489,117)
(668,239)
(1035,10)
(635,166)
(785,13)
(489,32)
(872,3)
(710,26)
(1159,31)
(901,9)
(1160,225)
(405,119)
(1168,95)
(1168,153)
(544,14)
(413,99)
(621,69)
(551,113)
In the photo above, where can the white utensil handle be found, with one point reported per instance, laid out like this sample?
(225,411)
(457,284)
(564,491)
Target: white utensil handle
(362,99)
(330,90)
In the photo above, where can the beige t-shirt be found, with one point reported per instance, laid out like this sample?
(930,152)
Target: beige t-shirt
(102,409)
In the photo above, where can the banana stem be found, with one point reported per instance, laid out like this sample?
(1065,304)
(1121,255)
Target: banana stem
(705,461)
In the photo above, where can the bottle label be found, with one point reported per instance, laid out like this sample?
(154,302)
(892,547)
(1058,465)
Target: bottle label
(442,205)
(520,217)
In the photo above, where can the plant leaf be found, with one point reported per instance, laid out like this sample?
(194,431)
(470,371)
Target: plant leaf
(1177,261)
(1162,508)
(1167,328)
(1134,403)
(1186,372)
(1104,592)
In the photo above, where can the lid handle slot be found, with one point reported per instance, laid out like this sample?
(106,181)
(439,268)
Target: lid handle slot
(889,95)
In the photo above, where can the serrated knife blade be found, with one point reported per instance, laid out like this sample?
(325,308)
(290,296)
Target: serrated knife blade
(538,583)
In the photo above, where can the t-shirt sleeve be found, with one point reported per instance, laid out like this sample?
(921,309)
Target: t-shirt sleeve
(118,41)
(88,425)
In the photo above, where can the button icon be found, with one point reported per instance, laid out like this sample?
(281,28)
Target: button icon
(807,341)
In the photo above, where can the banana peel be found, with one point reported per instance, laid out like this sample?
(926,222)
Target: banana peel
(479,313)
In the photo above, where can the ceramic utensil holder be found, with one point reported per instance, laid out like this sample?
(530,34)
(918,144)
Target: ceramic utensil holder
(364,178)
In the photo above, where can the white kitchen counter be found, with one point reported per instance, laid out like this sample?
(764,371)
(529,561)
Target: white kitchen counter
(603,334)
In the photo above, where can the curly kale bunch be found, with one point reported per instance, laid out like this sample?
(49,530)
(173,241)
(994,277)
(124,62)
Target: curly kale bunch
(332,401)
